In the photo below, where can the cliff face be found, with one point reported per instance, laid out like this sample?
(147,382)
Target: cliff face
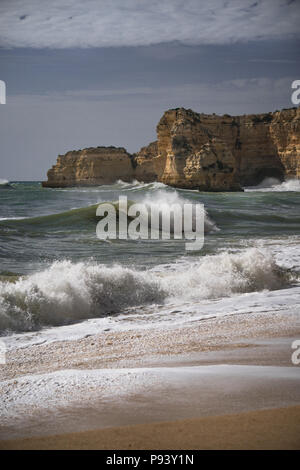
(149,163)
(285,133)
(195,157)
(101,165)
(201,151)
(260,145)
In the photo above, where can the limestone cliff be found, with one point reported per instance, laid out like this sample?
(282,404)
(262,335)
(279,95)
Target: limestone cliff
(91,166)
(201,151)
(149,163)
(285,133)
(212,168)
(195,157)
(261,145)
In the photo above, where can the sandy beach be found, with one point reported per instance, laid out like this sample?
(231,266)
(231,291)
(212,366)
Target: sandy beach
(219,383)
(269,429)
(149,226)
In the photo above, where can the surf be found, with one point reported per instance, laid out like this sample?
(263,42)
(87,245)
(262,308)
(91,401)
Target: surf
(68,292)
(5,184)
(274,185)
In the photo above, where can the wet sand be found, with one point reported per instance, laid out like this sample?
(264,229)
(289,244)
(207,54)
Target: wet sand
(226,383)
(268,429)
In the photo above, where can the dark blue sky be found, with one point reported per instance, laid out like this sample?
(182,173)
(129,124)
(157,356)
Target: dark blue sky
(65,93)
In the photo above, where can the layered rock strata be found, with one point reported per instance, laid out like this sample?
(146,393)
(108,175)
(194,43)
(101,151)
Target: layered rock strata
(197,151)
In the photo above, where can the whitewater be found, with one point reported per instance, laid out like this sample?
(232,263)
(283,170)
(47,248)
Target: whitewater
(58,281)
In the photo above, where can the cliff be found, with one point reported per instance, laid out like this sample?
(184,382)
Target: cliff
(91,166)
(200,151)
(195,157)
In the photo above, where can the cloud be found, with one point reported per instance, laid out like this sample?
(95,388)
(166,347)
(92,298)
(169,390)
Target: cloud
(106,23)
(245,95)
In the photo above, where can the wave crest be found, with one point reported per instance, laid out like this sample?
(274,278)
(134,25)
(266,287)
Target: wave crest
(226,274)
(67,292)
(274,185)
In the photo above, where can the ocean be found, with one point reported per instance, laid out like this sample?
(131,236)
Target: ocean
(59,281)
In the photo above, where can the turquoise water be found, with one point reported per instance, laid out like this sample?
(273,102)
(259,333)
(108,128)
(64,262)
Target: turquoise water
(49,235)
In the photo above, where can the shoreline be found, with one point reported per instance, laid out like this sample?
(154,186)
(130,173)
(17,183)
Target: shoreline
(194,342)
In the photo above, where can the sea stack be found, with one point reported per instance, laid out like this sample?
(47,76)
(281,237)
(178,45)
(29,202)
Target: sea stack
(195,151)
(90,166)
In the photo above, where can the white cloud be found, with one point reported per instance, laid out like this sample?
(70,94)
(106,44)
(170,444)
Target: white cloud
(103,23)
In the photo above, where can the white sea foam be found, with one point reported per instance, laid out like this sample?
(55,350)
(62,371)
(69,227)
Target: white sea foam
(164,200)
(69,292)
(12,218)
(92,398)
(135,184)
(274,185)
(73,291)
(225,274)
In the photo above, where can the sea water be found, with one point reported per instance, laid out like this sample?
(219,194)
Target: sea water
(57,279)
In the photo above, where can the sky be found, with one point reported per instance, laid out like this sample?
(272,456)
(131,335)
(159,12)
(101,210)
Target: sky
(102,72)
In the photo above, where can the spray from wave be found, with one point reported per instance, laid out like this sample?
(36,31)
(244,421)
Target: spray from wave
(225,274)
(164,200)
(140,185)
(4,184)
(274,185)
(68,292)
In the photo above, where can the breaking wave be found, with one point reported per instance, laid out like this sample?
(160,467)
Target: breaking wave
(5,184)
(274,185)
(76,219)
(69,292)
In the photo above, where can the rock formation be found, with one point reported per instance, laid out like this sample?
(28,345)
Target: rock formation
(91,166)
(194,156)
(149,163)
(199,151)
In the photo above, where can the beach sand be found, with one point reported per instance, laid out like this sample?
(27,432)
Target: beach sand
(220,383)
(267,429)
